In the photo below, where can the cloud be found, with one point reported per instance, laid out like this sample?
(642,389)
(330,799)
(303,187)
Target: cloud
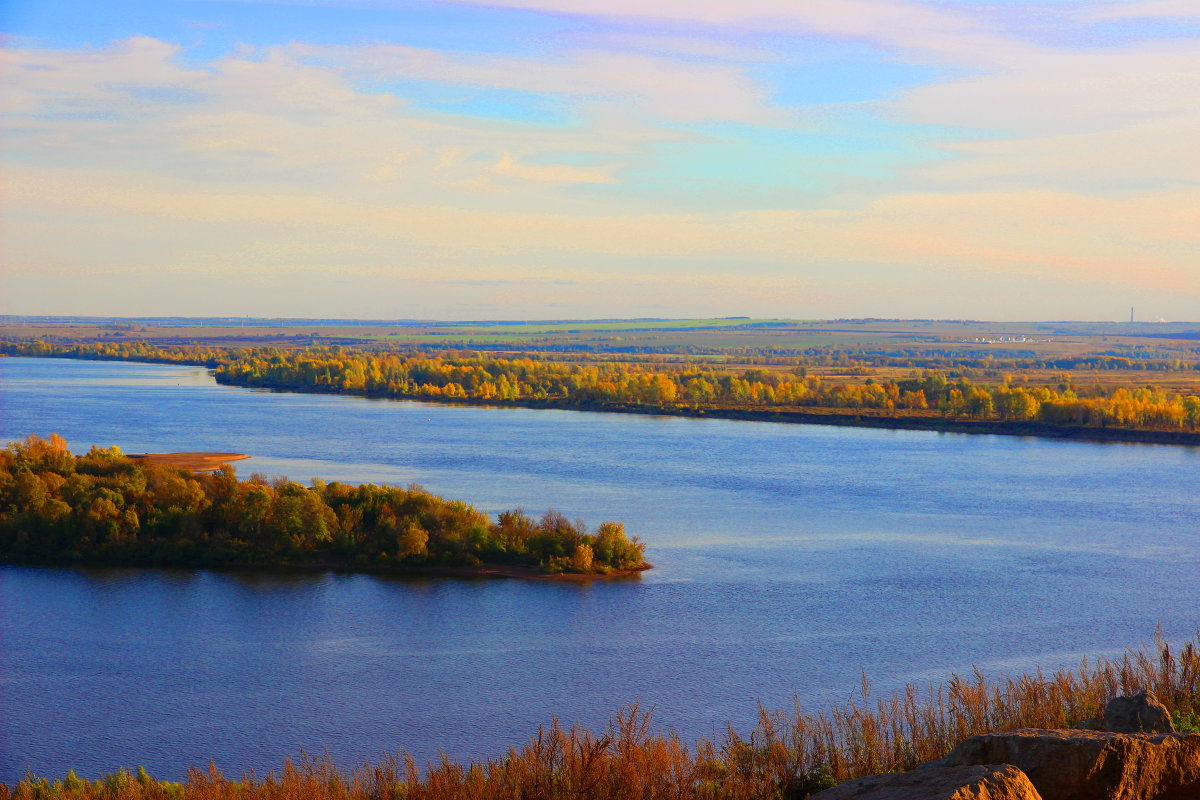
(1068,169)
(1145,9)
(1102,121)
(550,173)
(659,88)
(920,29)
(659,44)
(1147,154)
(1065,91)
(254,114)
(908,26)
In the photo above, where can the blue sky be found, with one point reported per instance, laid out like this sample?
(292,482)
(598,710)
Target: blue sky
(600,158)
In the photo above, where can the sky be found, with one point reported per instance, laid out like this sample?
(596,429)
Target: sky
(559,159)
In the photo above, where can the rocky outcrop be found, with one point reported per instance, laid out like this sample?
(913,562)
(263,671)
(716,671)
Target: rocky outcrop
(1131,753)
(1091,765)
(969,782)
(1137,713)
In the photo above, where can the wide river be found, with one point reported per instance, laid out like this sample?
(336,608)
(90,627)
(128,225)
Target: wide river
(789,560)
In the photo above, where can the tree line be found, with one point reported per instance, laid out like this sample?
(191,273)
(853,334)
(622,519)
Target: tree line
(657,384)
(102,507)
(648,384)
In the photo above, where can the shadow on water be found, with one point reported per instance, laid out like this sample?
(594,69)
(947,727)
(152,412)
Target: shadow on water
(293,577)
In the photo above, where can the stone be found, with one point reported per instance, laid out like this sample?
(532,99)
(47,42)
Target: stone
(1091,724)
(1092,765)
(1137,713)
(970,782)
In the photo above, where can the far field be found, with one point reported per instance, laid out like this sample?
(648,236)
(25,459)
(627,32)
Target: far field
(994,351)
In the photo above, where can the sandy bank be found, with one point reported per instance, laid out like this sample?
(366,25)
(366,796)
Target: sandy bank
(196,462)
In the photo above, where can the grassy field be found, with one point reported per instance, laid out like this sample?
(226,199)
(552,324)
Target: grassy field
(581,326)
(730,342)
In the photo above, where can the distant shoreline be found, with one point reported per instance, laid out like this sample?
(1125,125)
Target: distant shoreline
(928,420)
(864,418)
(815,415)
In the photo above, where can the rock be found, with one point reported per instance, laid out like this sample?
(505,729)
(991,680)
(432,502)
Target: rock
(1137,713)
(970,782)
(1090,724)
(1092,765)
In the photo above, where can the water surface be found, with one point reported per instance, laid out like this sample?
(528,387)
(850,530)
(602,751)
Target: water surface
(789,559)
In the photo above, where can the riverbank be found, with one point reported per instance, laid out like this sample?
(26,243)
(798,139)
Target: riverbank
(932,421)
(899,419)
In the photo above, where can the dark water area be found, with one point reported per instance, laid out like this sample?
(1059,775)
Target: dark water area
(789,560)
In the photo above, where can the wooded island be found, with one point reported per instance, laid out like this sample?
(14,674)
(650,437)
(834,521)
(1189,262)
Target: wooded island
(105,508)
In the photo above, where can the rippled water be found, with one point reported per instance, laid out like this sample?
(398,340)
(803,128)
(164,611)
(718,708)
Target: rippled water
(789,559)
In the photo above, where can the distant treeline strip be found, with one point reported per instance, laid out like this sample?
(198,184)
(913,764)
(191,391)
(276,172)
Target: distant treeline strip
(968,361)
(789,755)
(967,357)
(652,384)
(104,508)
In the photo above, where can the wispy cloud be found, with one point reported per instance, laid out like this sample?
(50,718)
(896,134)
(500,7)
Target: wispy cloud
(909,26)
(1141,9)
(654,86)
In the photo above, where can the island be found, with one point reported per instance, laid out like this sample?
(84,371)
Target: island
(191,510)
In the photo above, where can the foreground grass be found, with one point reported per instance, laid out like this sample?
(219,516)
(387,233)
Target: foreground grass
(789,755)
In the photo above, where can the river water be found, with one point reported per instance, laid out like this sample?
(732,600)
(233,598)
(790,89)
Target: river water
(789,560)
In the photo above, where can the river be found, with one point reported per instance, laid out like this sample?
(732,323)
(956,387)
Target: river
(789,559)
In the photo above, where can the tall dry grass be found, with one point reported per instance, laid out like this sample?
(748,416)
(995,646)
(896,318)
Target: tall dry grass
(789,754)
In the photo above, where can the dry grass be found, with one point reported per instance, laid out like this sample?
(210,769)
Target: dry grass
(789,754)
